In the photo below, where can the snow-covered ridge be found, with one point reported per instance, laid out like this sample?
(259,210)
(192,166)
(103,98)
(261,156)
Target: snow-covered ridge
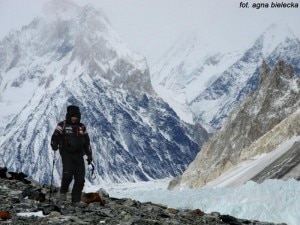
(208,85)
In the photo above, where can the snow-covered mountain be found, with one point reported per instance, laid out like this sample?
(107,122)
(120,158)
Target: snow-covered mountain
(73,56)
(207,84)
(266,119)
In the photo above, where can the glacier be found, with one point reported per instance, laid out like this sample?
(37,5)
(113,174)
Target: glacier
(275,201)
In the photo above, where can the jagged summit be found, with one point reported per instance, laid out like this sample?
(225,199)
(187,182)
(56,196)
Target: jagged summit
(81,34)
(58,50)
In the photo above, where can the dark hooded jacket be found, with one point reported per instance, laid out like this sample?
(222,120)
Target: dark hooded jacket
(71,137)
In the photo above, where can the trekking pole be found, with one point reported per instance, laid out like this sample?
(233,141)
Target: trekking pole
(52,176)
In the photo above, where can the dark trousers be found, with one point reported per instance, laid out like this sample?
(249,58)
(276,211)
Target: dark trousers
(73,167)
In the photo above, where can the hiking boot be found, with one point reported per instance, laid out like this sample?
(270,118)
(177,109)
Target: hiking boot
(62,196)
(79,204)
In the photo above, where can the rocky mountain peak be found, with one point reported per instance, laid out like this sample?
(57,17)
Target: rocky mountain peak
(78,59)
(69,34)
(276,98)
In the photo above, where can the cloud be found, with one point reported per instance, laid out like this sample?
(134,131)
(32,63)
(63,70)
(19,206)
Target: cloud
(151,26)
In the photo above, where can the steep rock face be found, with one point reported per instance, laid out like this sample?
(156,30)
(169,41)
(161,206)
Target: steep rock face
(285,167)
(250,127)
(73,56)
(132,138)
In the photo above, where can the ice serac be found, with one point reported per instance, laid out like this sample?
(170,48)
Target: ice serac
(265,119)
(73,56)
(210,84)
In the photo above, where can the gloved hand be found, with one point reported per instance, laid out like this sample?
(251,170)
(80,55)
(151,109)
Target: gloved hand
(89,159)
(54,146)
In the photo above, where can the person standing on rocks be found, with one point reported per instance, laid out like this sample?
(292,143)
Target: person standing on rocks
(72,140)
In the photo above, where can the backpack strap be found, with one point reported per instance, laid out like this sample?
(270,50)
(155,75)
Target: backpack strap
(63,128)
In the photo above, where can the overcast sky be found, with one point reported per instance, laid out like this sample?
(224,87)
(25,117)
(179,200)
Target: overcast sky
(150,27)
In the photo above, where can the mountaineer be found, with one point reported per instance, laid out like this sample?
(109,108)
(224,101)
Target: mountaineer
(72,140)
